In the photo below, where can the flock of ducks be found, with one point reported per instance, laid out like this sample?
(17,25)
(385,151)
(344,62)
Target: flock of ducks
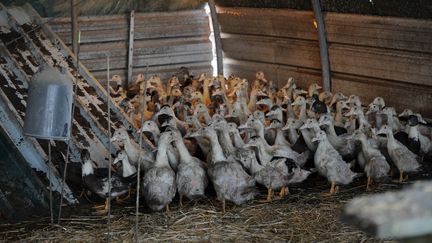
(234,134)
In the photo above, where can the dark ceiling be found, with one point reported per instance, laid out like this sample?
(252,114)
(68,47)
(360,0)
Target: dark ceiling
(398,8)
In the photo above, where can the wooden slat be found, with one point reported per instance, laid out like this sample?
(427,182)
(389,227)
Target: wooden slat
(118,49)
(292,52)
(141,33)
(119,21)
(394,65)
(268,22)
(143,61)
(385,32)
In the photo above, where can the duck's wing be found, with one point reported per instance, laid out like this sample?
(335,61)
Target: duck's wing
(339,171)
(404,159)
(377,167)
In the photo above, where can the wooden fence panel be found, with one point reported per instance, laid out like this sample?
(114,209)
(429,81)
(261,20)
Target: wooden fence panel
(163,41)
(369,55)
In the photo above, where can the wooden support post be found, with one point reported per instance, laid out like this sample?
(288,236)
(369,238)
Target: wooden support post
(325,63)
(130,52)
(217,36)
(74,19)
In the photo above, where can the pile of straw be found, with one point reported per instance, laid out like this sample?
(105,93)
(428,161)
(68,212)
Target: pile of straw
(305,215)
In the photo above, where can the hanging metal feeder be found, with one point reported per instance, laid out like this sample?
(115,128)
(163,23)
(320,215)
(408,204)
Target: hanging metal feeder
(49,105)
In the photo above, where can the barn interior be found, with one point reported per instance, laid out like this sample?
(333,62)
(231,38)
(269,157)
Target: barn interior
(368,62)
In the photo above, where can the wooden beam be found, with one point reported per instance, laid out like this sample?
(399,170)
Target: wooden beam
(217,36)
(325,64)
(131,49)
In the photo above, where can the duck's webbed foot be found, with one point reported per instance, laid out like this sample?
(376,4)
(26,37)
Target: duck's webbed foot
(101,209)
(333,190)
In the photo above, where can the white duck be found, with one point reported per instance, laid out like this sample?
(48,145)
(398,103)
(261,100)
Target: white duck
(330,164)
(229,179)
(402,157)
(132,149)
(376,166)
(159,186)
(191,177)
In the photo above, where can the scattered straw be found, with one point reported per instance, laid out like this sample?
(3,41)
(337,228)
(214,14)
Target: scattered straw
(306,215)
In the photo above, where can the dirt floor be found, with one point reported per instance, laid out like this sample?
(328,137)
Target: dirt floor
(306,215)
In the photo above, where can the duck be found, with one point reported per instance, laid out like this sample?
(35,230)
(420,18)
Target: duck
(308,131)
(402,157)
(127,171)
(347,147)
(300,104)
(152,128)
(137,86)
(191,176)
(201,110)
(338,96)
(167,112)
(313,89)
(228,177)
(158,184)
(117,93)
(376,166)
(289,88)
(330,164)
(292,125)
(96,180)
(276,112)
(235,134)
(132,149)
(276,174)
(280,136)
(341,108)
(417,142)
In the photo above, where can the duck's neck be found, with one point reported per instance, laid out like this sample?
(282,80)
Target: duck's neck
(255,167)
(155,133)
(252,101)
(216,149)
(238,141)
(302,115)
(292,135)
(307,134)
(330,130)
(260,131)
(280,138)
(391,142)
(364,143)
(128,169)
(413,132)
(290,112)
(162,155)
(264,152)
(338,116)
(87,168)
(226,142)
(185,156)
(207,117)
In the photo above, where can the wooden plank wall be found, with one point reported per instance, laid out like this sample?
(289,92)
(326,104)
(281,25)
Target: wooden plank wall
(282,43)
(369,55)
(163,41)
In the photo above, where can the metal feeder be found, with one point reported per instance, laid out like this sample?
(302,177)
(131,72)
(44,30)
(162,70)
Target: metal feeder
(49,105)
